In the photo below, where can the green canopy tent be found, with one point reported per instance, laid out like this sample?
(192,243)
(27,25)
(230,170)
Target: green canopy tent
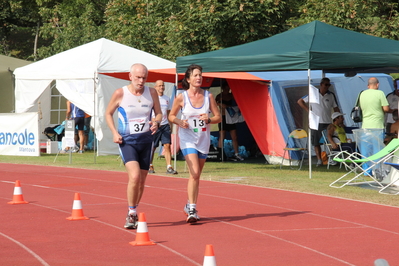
(7,66)
(313,46)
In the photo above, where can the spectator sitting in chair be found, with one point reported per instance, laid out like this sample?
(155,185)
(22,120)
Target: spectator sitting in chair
(336,134)
(393,128)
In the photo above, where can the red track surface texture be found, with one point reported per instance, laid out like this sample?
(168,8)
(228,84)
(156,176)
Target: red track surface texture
(246,225)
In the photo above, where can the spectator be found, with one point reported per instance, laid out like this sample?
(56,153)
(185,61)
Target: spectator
(226,101)
(87,130)
(336,134)
(323,109)
(394,128)
(163,133)
(373,104)
(77,114)
(393,100)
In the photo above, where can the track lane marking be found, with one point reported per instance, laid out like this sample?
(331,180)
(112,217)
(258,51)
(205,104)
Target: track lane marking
(43,262)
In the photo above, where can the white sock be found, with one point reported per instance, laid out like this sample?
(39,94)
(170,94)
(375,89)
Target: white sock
(192,206)
(132,209)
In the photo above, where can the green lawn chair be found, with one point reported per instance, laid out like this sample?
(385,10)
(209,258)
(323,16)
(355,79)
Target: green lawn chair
(354,162)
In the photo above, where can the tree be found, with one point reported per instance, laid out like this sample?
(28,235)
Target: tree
(176,28)
(170,28)
(138,23)
(70,23)
(19,20)
(373,17)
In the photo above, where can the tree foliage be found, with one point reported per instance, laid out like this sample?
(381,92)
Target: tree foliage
(203,26)
(374,17)
(18,20)
(70,23)
(171,28)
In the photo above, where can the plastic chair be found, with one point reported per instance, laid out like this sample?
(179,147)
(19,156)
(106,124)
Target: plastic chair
(354,162)
(328,149)
(296,142)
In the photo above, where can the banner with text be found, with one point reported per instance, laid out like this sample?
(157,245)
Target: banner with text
(19,134)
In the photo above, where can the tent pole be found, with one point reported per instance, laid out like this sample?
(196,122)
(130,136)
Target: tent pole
(309,133)
(221,124)
(94,116)
(174,129)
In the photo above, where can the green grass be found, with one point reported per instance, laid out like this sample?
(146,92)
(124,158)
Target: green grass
(253,171)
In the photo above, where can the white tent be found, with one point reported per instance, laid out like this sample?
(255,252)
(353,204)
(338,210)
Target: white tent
(78,75)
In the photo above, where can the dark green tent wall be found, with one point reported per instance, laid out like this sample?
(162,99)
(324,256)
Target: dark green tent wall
(7,66)
(315,46)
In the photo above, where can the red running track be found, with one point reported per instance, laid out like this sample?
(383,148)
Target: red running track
(246,225)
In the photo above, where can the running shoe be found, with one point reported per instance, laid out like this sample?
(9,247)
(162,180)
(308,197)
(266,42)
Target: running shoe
(186,209)
(131,221)
(232,159)
(238,157)
(192,216)
(332,162)
(151,170)
(171,171)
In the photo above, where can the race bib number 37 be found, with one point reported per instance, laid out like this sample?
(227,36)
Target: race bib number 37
(138,125)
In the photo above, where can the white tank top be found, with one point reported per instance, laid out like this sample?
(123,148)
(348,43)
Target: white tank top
(197,135)
(134,113)
(164,102)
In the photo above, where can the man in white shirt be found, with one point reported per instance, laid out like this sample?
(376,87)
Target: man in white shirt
(163,133)
(327,104)
(393,100)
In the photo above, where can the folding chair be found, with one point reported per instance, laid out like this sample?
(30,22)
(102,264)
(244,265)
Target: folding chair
(328,149)
(297,136)
(394,177)
(354,162)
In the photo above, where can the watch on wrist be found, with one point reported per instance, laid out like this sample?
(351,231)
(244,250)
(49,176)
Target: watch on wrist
(209,120)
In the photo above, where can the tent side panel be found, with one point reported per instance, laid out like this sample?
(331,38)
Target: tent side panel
(105,88)
(27,92)
(257,108)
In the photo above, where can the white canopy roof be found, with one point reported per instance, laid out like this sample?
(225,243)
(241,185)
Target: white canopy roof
(100,56)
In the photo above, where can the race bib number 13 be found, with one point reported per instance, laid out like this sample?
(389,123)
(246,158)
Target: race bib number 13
(196,124)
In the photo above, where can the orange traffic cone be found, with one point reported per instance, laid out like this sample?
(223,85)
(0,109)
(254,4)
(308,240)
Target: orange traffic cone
(142,236)
(209,258)
(18,198)
(77,211)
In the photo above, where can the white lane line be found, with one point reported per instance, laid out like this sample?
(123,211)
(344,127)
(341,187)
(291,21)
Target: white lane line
(40,186)
(26,248)
(128,231)
(284,240)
